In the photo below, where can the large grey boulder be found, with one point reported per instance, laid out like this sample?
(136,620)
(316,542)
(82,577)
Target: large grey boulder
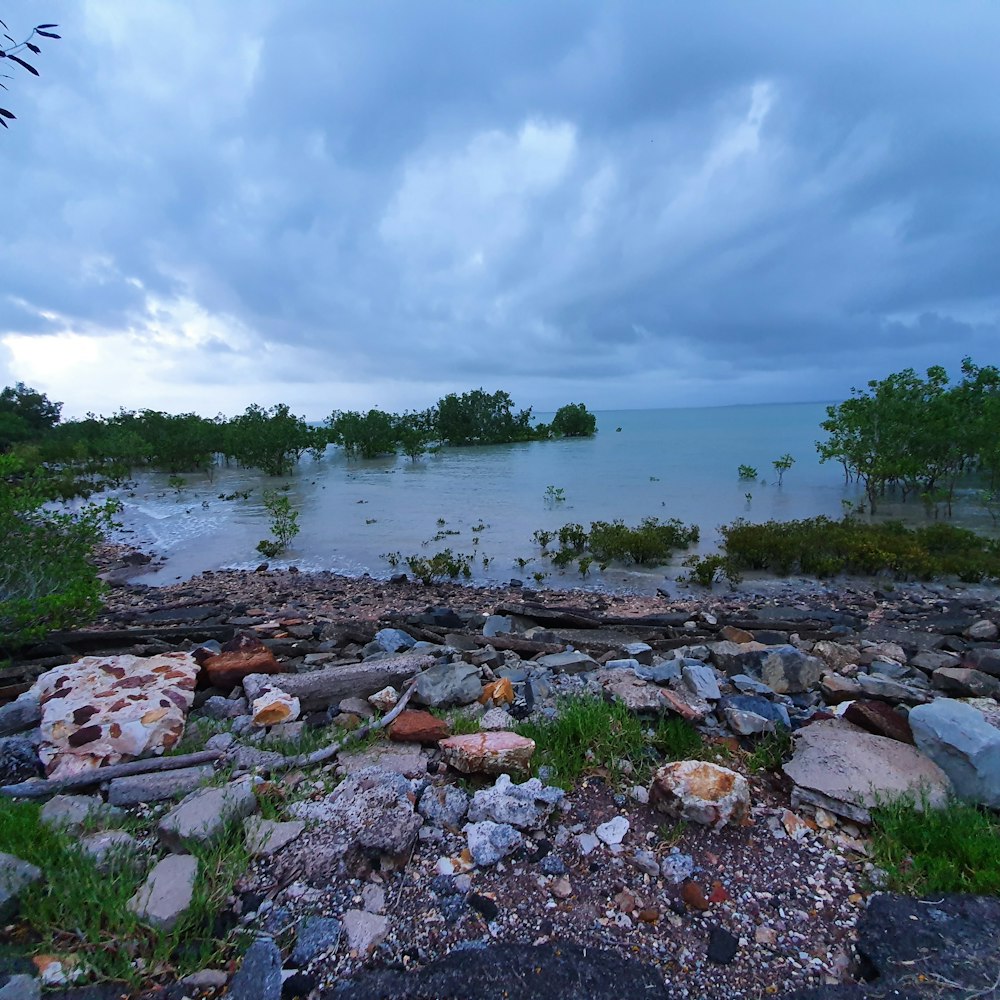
(848,771)
(70,812)
(15,876)
(23,713)
(526,806)
(367,823)
(444,805)
(394,640)
(204,815)
(489,841)
(166,894)
(784,669)
(448,684)
(958,738)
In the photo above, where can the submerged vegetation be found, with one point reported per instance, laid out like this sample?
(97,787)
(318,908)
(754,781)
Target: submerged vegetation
(820,546)
(650,543)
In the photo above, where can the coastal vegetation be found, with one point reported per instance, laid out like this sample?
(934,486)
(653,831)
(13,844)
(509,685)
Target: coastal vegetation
(823,547)
(650,543)
(909,436)
(284,523)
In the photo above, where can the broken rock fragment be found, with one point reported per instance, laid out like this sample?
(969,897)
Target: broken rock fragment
(488,753)
(701,792)
(274,707)
(105,709)
(241,656)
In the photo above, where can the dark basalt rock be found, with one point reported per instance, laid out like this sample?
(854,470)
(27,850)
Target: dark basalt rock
(911,949)
(511,972)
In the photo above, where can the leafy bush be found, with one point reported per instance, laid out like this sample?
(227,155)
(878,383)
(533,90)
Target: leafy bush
(284,523)
(47,579)
(574,420)
(706,570)
(652,542)
(747,472)
(443,565)
(820,546)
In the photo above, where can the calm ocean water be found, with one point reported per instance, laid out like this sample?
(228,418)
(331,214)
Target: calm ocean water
(663,463)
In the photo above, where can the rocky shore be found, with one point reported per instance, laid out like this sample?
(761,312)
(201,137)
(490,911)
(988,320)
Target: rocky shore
(416,862)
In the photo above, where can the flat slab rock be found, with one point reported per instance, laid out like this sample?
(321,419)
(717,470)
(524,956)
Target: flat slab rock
(514,972)
(496,752)
(105,709)
(847,765)
(943,939)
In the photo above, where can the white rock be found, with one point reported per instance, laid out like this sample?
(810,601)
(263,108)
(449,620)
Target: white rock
(613,832)
(384,700)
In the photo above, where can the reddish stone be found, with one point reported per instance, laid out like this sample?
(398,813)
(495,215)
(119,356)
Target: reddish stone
(488,753)
(718,893)
(694,896)
(879,718)
(241,656)
(418,727)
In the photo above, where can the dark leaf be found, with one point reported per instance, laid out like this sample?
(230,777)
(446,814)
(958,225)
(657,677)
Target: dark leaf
(47,34)
(7,114)
(46,26)
(5,28)
(9,39)
(3,122)
(26,65)
(34,48)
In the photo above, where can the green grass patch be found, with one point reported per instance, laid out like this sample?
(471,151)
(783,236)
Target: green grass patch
(79,909)
(593,735)
(930,851)
(460,723)
(772,750)
(820,546)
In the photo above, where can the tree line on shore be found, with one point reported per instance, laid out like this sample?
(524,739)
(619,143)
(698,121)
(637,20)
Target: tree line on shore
(271,439)
(909,436)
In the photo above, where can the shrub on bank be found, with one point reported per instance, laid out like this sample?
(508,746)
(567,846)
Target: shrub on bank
(820,546)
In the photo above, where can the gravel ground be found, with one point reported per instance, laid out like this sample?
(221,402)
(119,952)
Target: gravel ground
(786,906)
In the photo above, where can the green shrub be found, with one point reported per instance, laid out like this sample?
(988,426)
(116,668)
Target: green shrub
(747,472)
(47,579)
(284,523)
(706,570)
(821,547)
(440,566)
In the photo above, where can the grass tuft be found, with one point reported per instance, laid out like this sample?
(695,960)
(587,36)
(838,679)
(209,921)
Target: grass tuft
(771,751)
(930,851)
(590,734)
(78,909)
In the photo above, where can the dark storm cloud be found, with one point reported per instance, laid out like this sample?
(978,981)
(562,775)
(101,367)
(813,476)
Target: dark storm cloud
(776,197)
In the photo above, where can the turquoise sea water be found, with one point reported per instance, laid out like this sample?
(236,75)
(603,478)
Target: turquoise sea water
(663,463)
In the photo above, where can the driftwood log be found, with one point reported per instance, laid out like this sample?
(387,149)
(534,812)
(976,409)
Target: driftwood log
(41,788)
(321,688)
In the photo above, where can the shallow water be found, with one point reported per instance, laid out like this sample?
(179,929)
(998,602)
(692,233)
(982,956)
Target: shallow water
(662,463)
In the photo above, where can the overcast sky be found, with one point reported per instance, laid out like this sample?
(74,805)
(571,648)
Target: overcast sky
(337,205)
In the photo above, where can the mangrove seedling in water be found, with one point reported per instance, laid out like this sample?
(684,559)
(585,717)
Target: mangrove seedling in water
(782,465)
(747,472)
(284,524)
